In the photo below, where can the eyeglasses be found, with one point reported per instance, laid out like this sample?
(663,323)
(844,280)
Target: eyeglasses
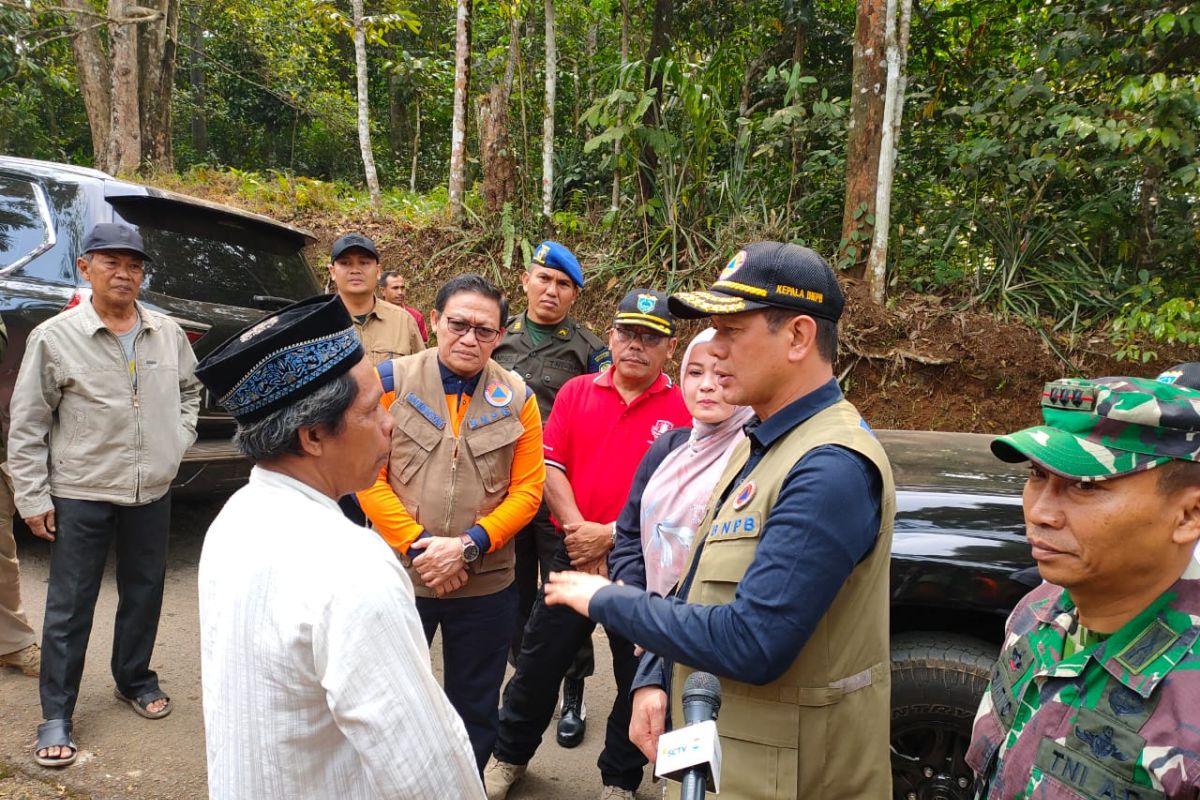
(648,338)
(459,327)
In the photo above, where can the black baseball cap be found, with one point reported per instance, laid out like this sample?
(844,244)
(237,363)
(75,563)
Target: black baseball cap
(1186,375)
(114,236)
(767,275)
(352,240)
(646,308)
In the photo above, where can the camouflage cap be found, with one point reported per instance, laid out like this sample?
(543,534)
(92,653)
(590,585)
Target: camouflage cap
(1108,427)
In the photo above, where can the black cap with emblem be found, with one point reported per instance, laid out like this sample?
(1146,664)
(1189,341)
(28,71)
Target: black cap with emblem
(767,275)
(646,308)
(282,358)
(351,240)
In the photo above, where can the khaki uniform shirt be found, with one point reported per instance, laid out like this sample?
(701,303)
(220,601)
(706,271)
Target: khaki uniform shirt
(388,332)
(569,351)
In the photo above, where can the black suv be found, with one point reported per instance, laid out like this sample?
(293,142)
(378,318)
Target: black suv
(216,269)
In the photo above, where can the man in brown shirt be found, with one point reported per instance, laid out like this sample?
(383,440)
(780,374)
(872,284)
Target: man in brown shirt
(386,331)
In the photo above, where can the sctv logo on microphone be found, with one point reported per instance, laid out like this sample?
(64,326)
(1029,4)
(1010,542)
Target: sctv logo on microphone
(694,745)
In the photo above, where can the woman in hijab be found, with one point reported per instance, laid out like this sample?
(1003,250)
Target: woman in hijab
(672,485)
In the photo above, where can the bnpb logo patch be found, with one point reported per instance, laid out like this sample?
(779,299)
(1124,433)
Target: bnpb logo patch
(744,495)
(497,394)
(733,266)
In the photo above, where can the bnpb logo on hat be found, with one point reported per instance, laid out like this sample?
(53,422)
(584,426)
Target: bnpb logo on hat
(646,303)
(497,394)
(734,265)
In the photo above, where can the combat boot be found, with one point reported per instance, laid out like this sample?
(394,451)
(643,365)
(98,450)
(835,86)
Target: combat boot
(572,722)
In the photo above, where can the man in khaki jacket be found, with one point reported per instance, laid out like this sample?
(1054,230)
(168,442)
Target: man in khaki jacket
(103,409)
(785,593)
(387,331)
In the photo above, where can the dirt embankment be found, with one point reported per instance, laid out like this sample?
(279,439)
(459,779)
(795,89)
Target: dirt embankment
(921,362)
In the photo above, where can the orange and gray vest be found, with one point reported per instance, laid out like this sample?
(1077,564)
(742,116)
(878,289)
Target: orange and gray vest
(448,482)
(820,731)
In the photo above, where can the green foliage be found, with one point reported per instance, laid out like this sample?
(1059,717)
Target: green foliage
(1048,157)
(1150,314)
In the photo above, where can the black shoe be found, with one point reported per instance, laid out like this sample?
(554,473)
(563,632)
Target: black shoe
(573,720)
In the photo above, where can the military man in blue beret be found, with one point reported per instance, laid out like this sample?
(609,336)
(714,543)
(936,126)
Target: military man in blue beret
(547,348)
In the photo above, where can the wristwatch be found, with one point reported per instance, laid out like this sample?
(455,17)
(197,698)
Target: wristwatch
(470,549)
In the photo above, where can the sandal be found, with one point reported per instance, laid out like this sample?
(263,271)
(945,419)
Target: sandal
(55,733)
(141,704)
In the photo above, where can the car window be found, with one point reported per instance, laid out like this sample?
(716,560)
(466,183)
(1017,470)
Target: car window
(22,226)
(203,255)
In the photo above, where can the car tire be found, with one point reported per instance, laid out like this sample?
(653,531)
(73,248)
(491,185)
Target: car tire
(937,682)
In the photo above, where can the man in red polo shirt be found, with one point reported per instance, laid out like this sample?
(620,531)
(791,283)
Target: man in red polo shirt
(600,428)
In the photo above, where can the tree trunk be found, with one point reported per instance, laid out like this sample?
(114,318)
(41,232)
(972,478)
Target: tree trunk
(897,59)
(499,171)
(458,133)
(364,108)
(865,132)
(495,141)
(93,67)
(799,50)
(416,147)
(616,179)
(589,61)
(660,39)
(157,46)
(548,115)
(125,126)
(395,117)
(199,92)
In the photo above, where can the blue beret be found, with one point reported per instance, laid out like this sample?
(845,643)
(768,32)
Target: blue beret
(556,256)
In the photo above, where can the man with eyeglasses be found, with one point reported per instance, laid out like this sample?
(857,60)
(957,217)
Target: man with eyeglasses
(464,475)
(547,348)
(600,428)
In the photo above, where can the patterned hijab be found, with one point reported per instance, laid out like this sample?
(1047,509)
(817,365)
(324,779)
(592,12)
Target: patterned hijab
(676,495)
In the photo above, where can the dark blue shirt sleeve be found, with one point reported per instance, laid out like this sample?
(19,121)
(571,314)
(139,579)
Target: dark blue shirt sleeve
(825,521)
(625,562)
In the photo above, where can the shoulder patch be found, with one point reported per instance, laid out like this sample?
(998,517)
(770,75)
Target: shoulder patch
(425,411)
(600,360)
(387,375)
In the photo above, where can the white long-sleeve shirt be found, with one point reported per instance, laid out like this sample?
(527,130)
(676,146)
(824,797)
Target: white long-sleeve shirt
(316,673)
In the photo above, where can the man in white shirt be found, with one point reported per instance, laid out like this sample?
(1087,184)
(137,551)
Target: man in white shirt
(316,674)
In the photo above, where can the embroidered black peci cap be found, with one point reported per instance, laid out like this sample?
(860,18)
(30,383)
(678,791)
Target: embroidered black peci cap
(282,358)
(767,275)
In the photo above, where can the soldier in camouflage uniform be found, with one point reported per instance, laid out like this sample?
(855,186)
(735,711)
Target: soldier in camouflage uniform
(547,348)
(1096,693)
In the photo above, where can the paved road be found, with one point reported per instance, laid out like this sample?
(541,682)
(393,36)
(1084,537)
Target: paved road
(125,756)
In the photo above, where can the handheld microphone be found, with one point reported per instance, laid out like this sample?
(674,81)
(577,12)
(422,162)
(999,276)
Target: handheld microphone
(692,754)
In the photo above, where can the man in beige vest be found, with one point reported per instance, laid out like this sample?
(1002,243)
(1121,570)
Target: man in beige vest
(785,594)
(464,476)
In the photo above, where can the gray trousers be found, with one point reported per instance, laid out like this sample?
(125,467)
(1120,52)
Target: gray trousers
(15,632)
(85,530)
